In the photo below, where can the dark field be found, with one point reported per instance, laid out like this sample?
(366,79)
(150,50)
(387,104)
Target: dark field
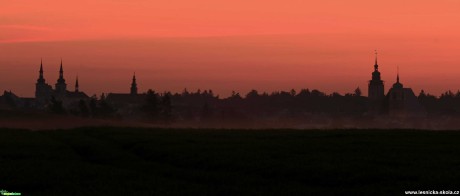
(130,161)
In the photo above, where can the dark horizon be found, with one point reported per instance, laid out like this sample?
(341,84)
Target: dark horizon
(71,84)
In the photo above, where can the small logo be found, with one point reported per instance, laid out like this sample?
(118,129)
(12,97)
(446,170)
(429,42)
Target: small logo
(4,192)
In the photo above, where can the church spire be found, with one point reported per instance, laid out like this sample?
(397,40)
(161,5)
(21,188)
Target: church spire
(134,85)
(76,85)
(41,68)
(397,84)
(41,79)
(376,66)
(61,86)
(61,72)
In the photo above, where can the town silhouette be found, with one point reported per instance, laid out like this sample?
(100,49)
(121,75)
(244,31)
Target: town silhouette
(398,107)
(229,98)
(63,141)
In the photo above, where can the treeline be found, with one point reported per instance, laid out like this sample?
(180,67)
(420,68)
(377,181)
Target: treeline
(93,107)
(448,104)
(206,106)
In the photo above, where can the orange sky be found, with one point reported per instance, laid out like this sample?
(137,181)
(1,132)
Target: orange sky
(230,45)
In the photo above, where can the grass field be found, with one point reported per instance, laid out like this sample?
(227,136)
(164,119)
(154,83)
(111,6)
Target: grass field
(136,161)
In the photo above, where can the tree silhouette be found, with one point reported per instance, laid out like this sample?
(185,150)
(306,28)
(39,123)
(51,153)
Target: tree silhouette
(358,92)
(56,106)
(93,106)
(253,94)
(304,93)
(83,108)
(105,109)
(150,106)
(206,112)
(166,108)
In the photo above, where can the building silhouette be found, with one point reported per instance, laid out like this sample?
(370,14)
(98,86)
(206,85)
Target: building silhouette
(127,103)
(376,91)
(44,92)
(134,85)
(61,86)
(398,102)
(401,102)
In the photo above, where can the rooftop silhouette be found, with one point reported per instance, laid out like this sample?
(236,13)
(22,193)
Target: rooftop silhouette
(398,102)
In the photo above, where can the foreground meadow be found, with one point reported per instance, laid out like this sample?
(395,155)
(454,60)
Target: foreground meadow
(142,161)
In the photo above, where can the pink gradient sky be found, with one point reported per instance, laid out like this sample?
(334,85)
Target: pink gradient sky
(230,45)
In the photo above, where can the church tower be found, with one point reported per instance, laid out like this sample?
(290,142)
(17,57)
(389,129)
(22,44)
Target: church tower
(376,92)
(61,86)
(42,89)
(41,79)
(401,102)
(134,85)
(396,98)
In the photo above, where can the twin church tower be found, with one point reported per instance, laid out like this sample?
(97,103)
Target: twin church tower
(45,92)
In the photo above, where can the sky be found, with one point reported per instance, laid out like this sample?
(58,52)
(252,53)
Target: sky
(238,45)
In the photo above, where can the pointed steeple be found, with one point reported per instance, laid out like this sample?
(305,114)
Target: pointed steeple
(41,79)
(397,84)
(376,73)
(376,66)
(61,86)
(61,71)
(61,74)
(76,85)
(134,85)
(376,87)
(41,66)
